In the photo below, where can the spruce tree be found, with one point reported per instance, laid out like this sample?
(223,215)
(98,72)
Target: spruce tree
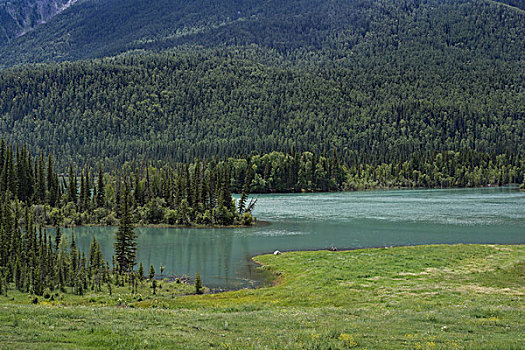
(151,272)
(52,189)
(58,237)
(227,194)
(125,240)
(198,284)
(72,187)
(245,188)
(74,258)
(82,194)
(141,271)
(101,194)
(86,198)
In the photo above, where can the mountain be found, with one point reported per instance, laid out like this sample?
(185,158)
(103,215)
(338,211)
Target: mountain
(17,17)
(98,28)
(375,80)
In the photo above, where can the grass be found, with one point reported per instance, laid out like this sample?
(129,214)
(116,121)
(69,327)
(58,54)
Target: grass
(424,297)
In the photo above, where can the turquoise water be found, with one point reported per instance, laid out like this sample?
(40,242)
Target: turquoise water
(324,220)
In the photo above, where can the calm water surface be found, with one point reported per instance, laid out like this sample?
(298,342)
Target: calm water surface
(323,220)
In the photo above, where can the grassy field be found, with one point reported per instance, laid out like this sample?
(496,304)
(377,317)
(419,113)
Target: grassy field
(425,297)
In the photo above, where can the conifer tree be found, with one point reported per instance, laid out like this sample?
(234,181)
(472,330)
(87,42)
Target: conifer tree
(125,243)
(196,184)
(151,272)
(52,186)
(72,187)
(141,271)
(101,194)
(198,284)
(74,258)
(227,195)
(86,198)
(64,263)
(245,188)
(82,194)
(58,236)
(41,187)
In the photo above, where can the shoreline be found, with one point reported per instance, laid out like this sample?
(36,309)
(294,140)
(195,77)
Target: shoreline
(276,277)
(386,188)
(256,224)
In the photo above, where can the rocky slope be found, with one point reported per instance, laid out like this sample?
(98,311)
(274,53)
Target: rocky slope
(18,17)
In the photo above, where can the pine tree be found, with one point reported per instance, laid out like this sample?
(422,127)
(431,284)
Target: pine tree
(188,193)
(41,189)
(101,194)
(196,184)
(96,264)
(72,187)
(11,183)
(245,188)
(52,188)
(63,263)
(125,243)
(58,237)
(198,284)
(151,272)
(82,195)
(74,258)
(227,194)
(86,198)
(141,271)
(118,197)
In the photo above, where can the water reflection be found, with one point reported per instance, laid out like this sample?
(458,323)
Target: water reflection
(222,256)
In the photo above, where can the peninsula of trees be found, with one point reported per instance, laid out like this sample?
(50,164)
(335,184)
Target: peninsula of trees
(182,194)
(200,193)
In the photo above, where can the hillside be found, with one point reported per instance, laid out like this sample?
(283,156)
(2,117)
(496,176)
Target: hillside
(377,81)
(97,28)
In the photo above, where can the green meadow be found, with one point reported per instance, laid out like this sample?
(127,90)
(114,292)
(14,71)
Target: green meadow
(423,297)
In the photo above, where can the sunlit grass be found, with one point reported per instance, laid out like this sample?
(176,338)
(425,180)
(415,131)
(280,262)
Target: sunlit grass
(426,297)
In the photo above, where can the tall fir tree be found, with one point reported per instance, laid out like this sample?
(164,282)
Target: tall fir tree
(101,192)
(72,187)
(125,237)
(52,186)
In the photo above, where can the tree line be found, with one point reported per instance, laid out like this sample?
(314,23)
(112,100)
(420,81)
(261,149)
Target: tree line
(183,194)
(200,192)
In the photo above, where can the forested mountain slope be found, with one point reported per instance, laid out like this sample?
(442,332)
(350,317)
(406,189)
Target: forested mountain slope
(97,28)
(375,80)
(221,103)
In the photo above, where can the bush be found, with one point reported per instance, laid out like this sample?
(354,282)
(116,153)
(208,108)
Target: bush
(155,211)
(109,220)
(247,219)
(171,216)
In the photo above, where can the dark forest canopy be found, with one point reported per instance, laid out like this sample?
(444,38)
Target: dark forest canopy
(180,106)
(376,81)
